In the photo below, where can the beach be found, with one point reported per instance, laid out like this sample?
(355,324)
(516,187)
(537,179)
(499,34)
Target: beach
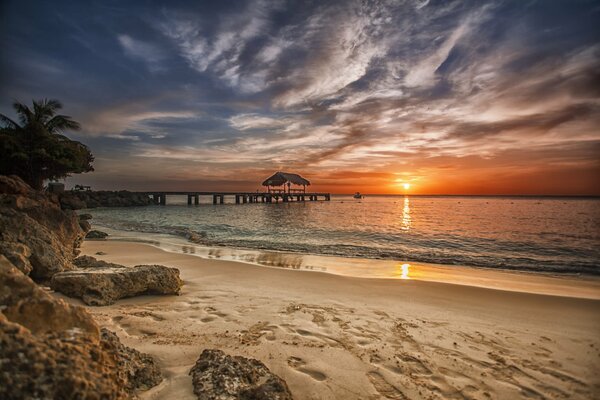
(339,337)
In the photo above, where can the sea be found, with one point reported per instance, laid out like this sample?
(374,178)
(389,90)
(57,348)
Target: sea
(537,234)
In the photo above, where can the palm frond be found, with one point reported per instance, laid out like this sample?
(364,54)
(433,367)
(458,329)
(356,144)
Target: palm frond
(24,113)
(8,123)
(53,104)
(45,109)
(60,123)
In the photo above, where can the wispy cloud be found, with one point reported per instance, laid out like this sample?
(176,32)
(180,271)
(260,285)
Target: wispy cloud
(151,54)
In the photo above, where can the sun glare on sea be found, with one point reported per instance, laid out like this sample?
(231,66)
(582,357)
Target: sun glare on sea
(403,271)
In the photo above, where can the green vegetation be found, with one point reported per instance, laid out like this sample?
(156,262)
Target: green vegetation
(36,150)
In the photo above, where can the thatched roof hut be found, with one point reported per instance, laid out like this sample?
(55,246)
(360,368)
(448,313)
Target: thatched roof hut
(281,178)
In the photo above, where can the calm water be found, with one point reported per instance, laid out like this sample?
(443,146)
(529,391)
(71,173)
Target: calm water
(535,234)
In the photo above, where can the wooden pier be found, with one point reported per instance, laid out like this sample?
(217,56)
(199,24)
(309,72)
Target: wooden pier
(241,197)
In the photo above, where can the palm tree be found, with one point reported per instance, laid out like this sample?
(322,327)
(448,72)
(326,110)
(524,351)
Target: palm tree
(35,149)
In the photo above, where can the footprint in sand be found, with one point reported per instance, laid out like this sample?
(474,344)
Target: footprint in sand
(413,364)
(147,314)
(252,335)
(299,365)
(132,329)
(384,388)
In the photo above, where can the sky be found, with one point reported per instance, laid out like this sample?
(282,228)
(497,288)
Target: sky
(451,97)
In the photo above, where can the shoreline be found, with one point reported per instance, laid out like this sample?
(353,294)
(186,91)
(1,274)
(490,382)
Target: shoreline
(330,336)
(535,282)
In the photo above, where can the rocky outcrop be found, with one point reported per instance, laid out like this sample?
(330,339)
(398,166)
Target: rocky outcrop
(52,350)
(24,302)
(103,285)
(76,200)
(139,371)
(218,376)
(55,365)
(96,235)
(35,233)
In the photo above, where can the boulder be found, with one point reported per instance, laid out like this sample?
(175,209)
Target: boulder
(85,217)
(139,371)
(34,247)
(85,226)
(102,286)
(55,365)
(52,350)
(91,262)
(96,235)
(71,202)
(24,302)
(218,376)
(35,234)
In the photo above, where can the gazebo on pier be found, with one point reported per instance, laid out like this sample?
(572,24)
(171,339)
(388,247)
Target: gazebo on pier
(284,179)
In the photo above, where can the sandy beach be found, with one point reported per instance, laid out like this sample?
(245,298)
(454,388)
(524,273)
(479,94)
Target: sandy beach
(336,337)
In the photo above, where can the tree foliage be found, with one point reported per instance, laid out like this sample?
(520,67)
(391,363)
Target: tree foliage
(35,148)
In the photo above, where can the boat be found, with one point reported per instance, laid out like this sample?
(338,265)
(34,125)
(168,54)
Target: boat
(357,195)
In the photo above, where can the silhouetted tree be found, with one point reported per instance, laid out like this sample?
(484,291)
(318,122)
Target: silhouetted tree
(35,149)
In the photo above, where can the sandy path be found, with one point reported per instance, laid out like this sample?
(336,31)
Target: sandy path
(334,337)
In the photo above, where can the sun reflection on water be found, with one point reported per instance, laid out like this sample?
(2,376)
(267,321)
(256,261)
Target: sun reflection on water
(406,214)
(403,271)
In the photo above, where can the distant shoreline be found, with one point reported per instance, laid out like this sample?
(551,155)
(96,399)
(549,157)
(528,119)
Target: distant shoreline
(543,196)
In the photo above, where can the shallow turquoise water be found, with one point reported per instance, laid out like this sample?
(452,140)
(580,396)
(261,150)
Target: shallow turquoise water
(535,234)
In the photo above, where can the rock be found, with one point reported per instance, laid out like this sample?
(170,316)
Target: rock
(18,254)
(139,370)
(85,217)
(70,365)
(85,226)
(26,303)
(96,235)
(71,202)
(195,237)
(12,184)
(52,350)
(217,376)
(35,234)
(100,253)
(65,365)
(91,262)
(101,286)
(31,245)
(75,200)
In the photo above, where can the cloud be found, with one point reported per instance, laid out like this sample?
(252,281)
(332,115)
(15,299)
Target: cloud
(116,120)
(244,122)
(423,73)
(414,86)
(221,51)
(151,54)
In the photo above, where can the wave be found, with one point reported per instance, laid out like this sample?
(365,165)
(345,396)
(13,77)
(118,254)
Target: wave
(483,252)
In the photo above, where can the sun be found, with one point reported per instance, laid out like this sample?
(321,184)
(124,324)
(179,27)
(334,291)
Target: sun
(406,186)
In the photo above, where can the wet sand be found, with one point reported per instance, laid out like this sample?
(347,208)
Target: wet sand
(339,337)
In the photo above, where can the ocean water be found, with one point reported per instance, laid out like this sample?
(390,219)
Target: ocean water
(558,235)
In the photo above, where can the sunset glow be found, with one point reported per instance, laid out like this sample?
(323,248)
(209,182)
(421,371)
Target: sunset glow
(463,98)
